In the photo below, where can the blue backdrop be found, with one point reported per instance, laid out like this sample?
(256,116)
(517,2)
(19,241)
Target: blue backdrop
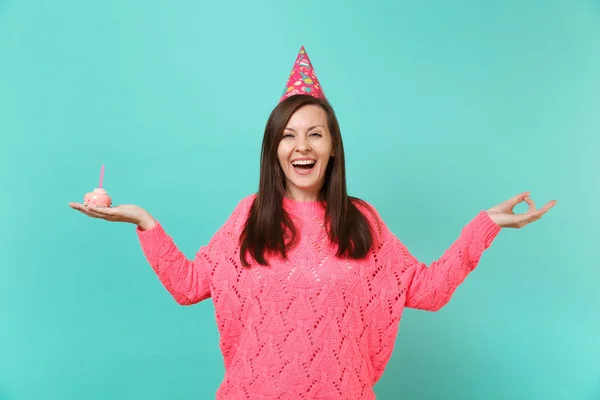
(446,108)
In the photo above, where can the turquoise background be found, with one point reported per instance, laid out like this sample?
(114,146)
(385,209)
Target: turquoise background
(446,108)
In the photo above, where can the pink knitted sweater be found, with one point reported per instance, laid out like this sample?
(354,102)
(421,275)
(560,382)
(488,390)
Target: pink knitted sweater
(315,326)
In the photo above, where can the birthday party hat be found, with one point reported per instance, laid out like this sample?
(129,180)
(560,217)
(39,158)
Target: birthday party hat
(303,79)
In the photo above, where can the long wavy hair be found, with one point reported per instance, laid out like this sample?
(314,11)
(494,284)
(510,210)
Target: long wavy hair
(269,228)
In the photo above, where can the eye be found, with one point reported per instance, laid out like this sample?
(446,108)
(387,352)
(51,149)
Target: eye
(287,135)
(316,134)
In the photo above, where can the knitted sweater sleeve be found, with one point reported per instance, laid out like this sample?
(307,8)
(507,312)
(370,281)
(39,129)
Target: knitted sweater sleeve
(431,287)
(188,281)
(404,281)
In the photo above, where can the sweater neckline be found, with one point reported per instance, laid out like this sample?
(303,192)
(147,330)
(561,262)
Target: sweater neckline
(316,207)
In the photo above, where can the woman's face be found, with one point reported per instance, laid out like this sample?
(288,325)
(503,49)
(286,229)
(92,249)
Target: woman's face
(304,152)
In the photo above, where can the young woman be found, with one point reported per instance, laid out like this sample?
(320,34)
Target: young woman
(308,283)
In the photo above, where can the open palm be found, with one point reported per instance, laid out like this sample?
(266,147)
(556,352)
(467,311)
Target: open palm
(122,213)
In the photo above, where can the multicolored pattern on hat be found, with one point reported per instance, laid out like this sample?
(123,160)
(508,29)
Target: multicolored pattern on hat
(303,79)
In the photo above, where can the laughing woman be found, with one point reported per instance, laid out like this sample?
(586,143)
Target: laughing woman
(308,283)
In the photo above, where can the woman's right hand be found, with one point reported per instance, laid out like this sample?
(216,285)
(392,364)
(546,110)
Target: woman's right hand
(122,213)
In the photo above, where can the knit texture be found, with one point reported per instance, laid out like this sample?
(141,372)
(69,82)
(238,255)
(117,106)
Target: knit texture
(313,326)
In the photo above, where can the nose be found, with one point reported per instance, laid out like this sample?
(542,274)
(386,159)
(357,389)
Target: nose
(302,144)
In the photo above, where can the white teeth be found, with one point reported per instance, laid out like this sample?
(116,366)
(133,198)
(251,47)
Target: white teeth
(303,162)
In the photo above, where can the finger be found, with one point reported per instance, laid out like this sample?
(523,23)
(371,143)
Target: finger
(96,215)
(539,213)
(78,206)
(103,210)
(90,211)
(531,203)
(107,213)
(82,208)
(517,199)
(547,206)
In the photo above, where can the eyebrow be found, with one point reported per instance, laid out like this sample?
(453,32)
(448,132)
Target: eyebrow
(310,129)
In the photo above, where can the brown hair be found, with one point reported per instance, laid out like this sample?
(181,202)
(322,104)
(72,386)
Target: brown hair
(268,224)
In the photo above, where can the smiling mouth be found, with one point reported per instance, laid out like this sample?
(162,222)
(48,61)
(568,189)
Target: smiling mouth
(304,165)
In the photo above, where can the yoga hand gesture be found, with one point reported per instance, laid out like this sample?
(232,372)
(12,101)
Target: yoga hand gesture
(503,214)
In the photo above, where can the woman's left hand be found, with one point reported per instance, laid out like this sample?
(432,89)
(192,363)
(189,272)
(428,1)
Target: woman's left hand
(503,214)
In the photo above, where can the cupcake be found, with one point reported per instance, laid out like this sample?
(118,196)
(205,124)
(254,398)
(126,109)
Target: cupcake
(98,197)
